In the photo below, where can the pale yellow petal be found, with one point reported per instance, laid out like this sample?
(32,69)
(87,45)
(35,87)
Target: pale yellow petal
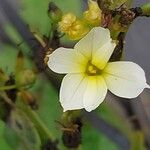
(95,92)
(72,91)
(64,60)
(102,55)
(93,41)
(125,79)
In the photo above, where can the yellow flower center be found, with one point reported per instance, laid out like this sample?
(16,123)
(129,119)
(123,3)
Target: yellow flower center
(92,70)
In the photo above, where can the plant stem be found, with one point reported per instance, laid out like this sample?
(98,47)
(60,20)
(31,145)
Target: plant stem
(8,87)
(146,10)
(40,40)
(43,130)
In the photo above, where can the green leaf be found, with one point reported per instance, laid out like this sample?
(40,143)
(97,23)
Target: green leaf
(8,57)
(11,137)
(25,130)
(73,6)
(3,143)
(49,106)
(34,12)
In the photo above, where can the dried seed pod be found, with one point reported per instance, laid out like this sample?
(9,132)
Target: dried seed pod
(49,145)
(72,135)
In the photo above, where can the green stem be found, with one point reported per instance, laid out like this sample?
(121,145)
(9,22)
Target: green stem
(146,9)
(8,87)
(43,130)
(40,40)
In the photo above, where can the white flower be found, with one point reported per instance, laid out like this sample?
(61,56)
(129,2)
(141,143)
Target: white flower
(90,75)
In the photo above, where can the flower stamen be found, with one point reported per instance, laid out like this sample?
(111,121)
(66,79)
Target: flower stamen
(92,70)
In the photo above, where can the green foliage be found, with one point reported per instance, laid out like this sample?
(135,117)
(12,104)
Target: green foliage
(49,107)
(35,13)
(114,117)
(3,143)
(73,6)
(25,130)
(96,140)
(11,137)
(6,63)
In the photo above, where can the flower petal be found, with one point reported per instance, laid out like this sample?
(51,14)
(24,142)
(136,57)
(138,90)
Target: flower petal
(72,90)
(125,79)
(64,60)
(94,40)
(102,55)
(95,92)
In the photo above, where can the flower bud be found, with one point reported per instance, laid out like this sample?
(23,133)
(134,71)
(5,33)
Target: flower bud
(67,22)
(93,14)
(25,78)
(74,28)
(54,12)
(78,31)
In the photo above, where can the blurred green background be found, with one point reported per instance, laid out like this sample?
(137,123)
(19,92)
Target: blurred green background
(34,13)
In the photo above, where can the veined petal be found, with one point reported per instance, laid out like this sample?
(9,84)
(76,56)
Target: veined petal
(64,60)
(125,79)
(102,55)
(72,91)
(94,40)
(95,92)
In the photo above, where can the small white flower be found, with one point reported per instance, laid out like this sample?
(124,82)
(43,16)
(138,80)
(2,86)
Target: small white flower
(90,75)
